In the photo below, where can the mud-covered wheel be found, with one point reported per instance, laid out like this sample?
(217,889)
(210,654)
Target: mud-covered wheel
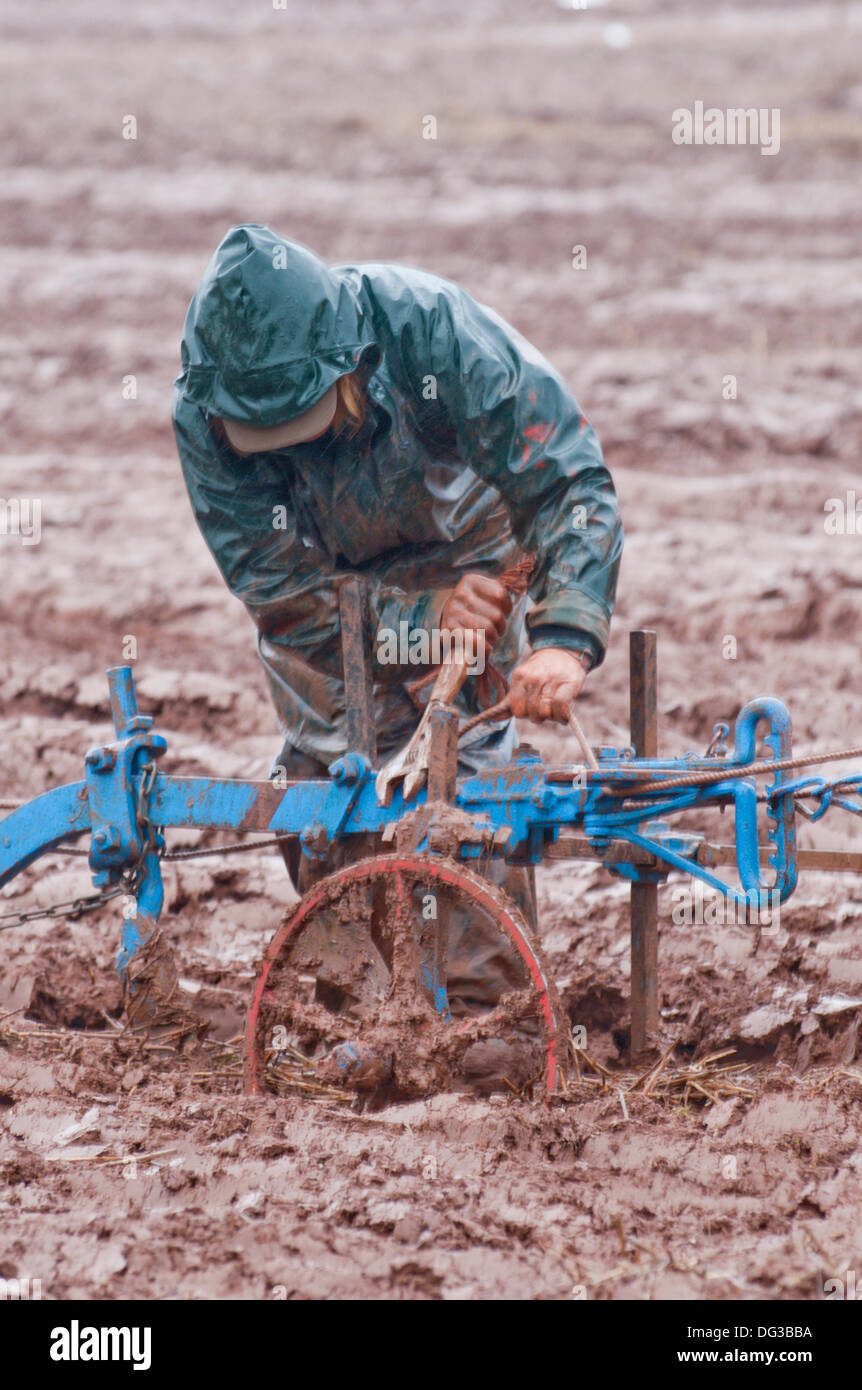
(407,974)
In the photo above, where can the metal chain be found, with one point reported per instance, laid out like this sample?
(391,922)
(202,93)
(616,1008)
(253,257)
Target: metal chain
(129,882)
(74,907)
(240,847)
(147,833)
(826,794)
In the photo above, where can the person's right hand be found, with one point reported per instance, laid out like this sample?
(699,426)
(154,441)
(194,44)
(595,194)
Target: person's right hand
(478,603)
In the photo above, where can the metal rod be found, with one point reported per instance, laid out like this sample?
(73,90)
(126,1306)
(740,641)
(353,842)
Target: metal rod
(124,701)
(710,776)
(443,754)
(353,608)
(442,786)
(575,726)
(643,681)
(710,855)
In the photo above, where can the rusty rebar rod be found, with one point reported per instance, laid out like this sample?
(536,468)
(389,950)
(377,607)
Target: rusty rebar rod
(643,682)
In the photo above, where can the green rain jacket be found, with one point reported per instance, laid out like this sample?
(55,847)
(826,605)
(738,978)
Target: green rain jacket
(473,451)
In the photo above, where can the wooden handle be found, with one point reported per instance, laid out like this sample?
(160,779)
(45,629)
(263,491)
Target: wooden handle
(450,678)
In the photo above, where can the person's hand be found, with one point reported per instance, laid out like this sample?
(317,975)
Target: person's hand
(477,604)
(544,686)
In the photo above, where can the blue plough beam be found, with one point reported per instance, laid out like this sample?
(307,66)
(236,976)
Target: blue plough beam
(523,810)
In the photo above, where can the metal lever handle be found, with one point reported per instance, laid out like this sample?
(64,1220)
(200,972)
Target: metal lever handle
(501,711)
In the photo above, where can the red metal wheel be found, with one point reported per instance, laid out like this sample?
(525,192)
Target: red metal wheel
(357,979)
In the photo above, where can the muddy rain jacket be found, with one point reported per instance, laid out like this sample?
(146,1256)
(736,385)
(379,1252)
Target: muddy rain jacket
(472,452)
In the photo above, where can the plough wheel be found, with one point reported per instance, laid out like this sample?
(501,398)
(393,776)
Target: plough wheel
(358,981)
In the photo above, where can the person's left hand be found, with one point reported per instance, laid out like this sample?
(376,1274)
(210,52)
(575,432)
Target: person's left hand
(544,686)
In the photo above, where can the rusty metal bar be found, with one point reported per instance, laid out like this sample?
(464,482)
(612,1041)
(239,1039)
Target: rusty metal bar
(353,610)
(442,784)
(643,692)
(710,855)
(577,847)
(443,753)
(828,861)
(643,681)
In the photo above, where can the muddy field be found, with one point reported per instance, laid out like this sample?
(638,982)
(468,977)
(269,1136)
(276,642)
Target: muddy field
(703,264)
